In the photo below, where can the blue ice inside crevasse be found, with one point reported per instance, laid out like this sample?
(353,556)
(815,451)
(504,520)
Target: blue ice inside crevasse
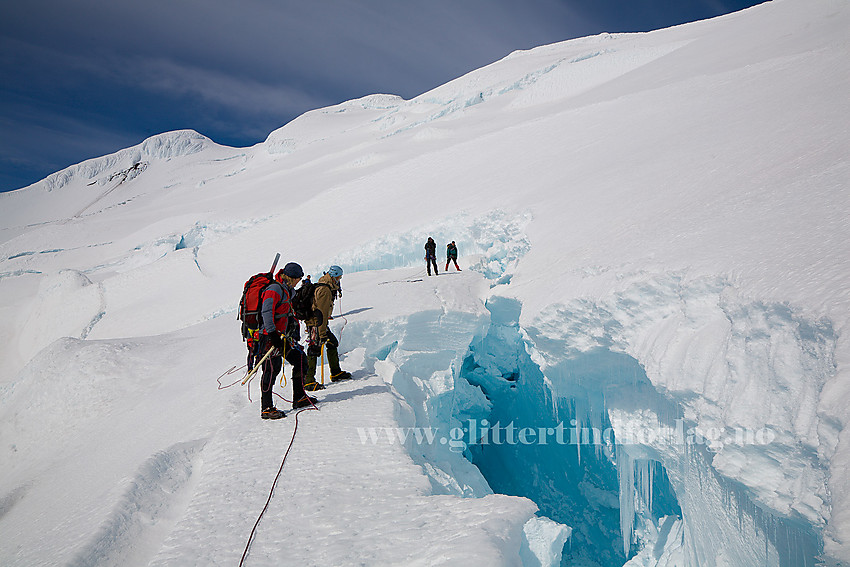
(661,502)
(193,238)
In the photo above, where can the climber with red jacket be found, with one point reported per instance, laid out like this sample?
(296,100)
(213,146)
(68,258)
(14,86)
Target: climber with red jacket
(281,331)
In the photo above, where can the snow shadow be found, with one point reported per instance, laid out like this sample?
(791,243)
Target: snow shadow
(354,311)
(8,501)
(148,510)
(351,394)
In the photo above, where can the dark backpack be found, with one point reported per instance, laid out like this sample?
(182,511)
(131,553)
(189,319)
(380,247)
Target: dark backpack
(250,306)
(302,301)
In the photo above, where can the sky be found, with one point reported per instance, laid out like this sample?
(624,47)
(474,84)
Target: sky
(87,78)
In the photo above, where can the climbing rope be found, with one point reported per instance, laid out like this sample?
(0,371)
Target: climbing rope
(274,484)
(322,350)
(285,455)
(232,370)
(344,320)
(283,364)
(409,279)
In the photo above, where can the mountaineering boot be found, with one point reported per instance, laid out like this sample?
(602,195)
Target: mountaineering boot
(304,402)
(340,376)
(272,413)
(333,363)
(314,386)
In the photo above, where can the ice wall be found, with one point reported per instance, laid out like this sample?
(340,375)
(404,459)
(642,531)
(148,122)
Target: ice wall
(685,378)
(571,483)
(420,356)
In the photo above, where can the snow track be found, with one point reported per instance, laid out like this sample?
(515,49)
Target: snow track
(328,509)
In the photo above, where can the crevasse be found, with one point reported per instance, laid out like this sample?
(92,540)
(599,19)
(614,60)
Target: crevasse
(603,451)
(643,467)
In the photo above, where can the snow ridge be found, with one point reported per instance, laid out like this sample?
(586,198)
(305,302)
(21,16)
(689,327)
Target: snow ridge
(160,147)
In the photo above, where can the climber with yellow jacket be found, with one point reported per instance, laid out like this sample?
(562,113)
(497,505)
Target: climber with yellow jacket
(319,336)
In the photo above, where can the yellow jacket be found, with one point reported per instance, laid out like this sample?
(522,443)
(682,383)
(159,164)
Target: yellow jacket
(323,300)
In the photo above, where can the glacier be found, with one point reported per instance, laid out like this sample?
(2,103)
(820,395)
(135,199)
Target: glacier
(644,361)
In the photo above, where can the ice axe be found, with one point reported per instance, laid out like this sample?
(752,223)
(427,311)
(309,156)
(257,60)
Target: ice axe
(257,366)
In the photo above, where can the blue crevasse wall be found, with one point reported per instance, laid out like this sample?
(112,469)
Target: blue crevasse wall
(549,438)
(523,444)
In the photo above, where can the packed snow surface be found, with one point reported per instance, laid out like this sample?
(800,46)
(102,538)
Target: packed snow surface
(644,361)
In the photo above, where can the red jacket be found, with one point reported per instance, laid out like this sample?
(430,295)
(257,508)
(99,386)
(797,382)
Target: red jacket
(277,308)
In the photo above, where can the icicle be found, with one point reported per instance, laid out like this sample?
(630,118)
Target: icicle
(626,476)
(578,427)
(645,476)
(597,433)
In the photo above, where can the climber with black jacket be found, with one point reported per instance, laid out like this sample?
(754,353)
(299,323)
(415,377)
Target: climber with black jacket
(431,255)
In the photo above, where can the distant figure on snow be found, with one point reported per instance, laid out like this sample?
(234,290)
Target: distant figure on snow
(451,255)
(431,255)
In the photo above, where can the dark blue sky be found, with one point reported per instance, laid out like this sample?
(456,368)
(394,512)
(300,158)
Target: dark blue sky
(85,78)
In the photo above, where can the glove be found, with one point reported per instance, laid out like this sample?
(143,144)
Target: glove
(293,330)
(277,340)
(313,349)
(331,340)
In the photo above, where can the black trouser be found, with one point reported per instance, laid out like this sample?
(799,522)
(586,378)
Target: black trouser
(272,367)
(332,352)
(429,261)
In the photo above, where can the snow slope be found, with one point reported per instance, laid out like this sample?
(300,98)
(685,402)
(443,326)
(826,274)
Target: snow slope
(654,235)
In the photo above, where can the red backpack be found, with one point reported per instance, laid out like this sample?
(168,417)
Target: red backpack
(251,304)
